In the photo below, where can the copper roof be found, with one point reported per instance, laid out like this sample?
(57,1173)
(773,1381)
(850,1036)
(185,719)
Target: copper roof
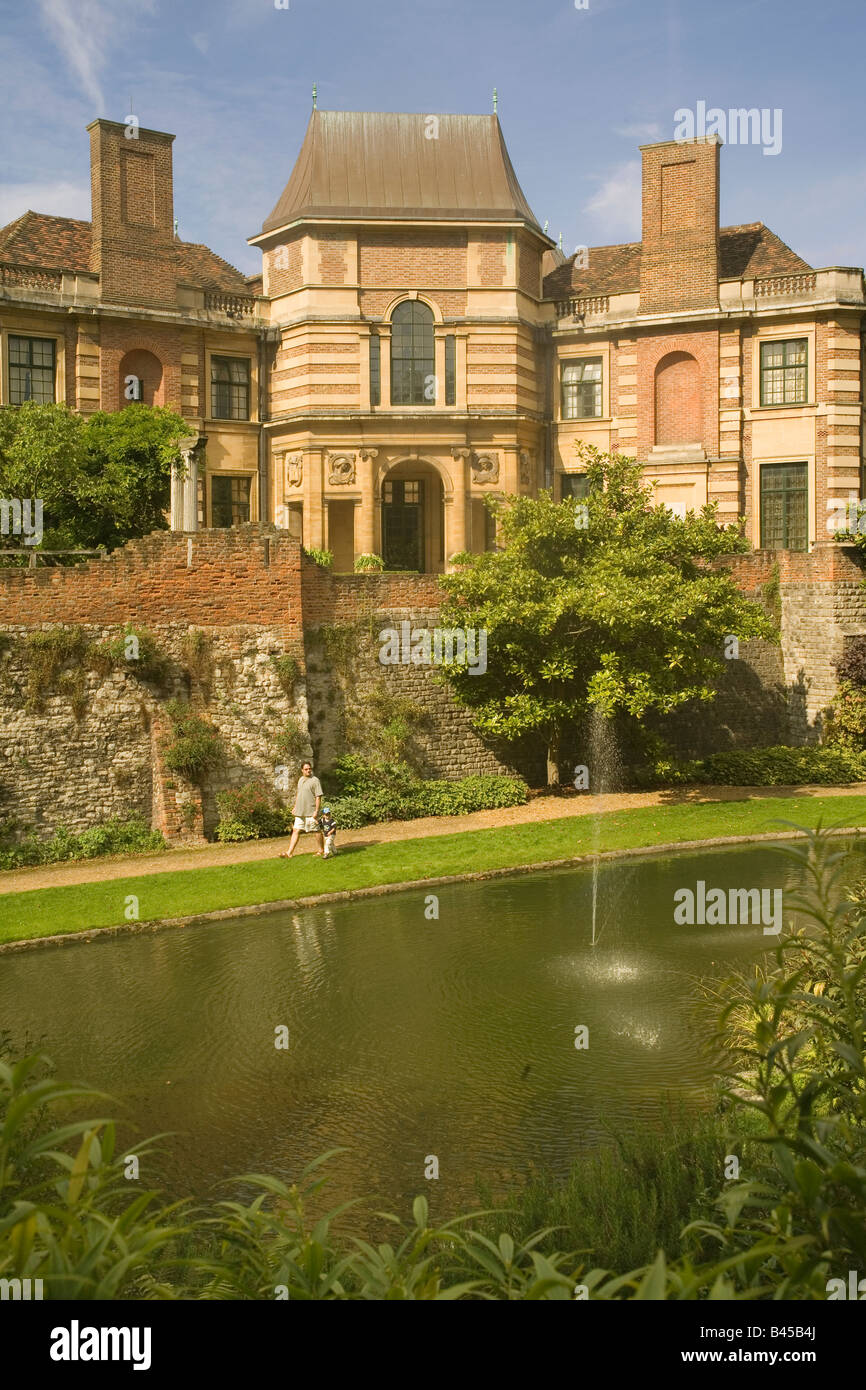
(745,252)
(63,243)
(383,165)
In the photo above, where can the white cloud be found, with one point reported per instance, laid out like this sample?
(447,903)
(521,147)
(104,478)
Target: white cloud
(645,130)
(60,199)
(617,203)
(201,42)
(85,33)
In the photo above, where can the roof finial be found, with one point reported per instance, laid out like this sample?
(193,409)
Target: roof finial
(175,229)
(495,101)
(546,225)
(315,95)
(560,241)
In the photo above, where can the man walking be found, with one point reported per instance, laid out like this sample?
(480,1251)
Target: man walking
(308,800)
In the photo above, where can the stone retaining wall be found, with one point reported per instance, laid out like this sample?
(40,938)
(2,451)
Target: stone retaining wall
(256,599)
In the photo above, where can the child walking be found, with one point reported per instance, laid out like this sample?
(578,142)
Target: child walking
(328,827)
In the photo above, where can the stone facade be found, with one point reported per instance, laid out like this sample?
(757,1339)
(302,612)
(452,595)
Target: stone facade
(224,606)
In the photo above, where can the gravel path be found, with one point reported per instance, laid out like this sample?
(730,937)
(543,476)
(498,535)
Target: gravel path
(540,808)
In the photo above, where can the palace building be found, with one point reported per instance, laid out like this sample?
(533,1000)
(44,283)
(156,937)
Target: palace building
(416,343)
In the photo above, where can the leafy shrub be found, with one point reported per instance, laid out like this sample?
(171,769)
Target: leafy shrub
(251,812)
(367,563)
(776,767)
(287,670)
(151,664)
(852,665)
(325,558)
(846,721)
(291,742)
(195,744)
(392,791)
(114,836)
(827,765)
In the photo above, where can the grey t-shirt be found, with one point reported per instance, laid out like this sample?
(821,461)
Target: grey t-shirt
(305,801)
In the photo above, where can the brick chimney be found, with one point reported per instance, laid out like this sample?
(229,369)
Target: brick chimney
(679,266)
(133,249)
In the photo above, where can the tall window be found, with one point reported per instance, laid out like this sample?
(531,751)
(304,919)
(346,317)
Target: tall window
(413,362)
(230,500)
(375,370)
(31,370)
(230,388)
(784,506)
(450,370)
(581,389)
(574,485)
(784,372)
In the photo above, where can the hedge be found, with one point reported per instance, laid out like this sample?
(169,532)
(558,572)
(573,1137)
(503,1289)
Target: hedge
(366,795)
(821,765)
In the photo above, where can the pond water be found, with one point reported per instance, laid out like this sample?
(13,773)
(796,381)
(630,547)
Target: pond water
(408,1037)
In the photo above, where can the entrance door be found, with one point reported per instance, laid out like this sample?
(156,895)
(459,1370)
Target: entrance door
(403,524)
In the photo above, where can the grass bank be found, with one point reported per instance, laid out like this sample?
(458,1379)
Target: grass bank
(78,907)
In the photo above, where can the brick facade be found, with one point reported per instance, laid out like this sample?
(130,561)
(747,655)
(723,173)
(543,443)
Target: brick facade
(677,321)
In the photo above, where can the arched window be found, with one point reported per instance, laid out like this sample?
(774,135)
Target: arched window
(413,360)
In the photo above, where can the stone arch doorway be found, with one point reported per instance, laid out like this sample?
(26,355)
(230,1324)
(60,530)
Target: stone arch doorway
(678,415)
(412,518)
(146,368)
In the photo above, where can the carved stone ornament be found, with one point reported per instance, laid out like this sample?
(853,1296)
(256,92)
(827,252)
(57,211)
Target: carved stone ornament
(294,470)
(341,468)
(525,468)
(485,468)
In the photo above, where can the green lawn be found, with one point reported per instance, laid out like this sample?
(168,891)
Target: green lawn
(49,911)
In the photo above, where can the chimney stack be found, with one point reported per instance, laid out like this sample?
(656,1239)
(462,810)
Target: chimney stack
(679,266)
(133,248)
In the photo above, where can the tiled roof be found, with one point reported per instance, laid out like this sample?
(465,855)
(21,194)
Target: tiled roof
(744,252)
(62,243)
(53,243)
(382,164)
(206,270)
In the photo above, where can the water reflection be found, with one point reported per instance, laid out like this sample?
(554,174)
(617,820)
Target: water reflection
(407,1037)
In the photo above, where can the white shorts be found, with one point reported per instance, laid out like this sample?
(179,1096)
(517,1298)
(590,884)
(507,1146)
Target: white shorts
(308,826)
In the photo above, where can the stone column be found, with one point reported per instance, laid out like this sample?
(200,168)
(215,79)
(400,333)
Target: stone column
(184,486)
(176,497)
(314,503)
(455,518)
(190,492)
(366,533)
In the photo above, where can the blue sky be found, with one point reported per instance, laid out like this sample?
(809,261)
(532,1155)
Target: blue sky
(579,90)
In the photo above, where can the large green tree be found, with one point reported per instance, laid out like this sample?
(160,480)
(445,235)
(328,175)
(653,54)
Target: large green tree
(608,604)
(102,480)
